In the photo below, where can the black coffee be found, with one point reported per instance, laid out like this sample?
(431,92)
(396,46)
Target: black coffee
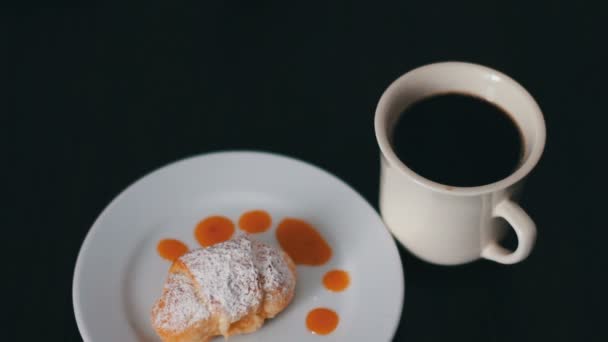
(458,140)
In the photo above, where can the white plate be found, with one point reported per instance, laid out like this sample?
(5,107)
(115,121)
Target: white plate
(119,274)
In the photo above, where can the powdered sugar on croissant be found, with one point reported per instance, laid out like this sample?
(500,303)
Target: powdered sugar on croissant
(225,289)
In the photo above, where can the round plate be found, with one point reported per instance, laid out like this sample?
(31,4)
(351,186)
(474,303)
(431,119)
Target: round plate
(119,274)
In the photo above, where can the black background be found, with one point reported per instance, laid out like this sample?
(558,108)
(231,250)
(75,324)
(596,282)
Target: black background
(96,98)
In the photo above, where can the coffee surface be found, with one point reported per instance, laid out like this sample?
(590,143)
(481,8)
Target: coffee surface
(458,140)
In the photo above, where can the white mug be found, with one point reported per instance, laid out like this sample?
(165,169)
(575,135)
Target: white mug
(454,225)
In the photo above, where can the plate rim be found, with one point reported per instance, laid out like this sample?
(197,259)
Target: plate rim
(76,279)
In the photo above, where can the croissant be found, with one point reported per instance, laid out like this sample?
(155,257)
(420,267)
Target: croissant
(226,289)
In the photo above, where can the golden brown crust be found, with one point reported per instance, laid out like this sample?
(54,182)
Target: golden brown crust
(199,331)
(216,324)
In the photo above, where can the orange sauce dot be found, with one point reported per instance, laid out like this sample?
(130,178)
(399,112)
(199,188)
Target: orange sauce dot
(322,321)
(302,242)
(171,249)
(255,221)
(336,280)
(213,229)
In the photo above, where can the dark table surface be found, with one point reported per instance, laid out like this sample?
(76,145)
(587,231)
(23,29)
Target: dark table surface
(96,98)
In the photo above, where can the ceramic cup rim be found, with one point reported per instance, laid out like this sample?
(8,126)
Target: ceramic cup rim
(381,129)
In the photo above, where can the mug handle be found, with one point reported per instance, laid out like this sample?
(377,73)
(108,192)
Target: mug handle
(524,228)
